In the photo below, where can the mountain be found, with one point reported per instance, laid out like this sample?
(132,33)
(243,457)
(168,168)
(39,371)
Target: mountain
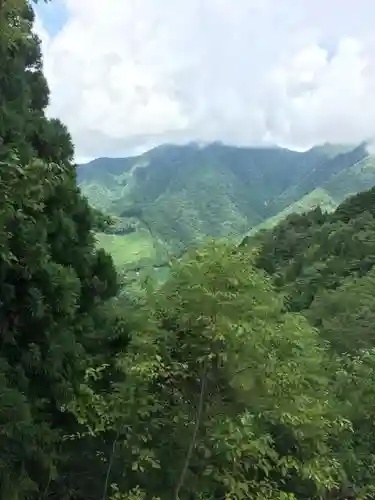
(311,253)
(172,197)
(322,172)
(355,172)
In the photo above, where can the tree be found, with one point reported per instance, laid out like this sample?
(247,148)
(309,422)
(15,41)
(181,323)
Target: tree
(24,91)
(354,383)
(345,317)
(54,283)
(222,395)
(312,252)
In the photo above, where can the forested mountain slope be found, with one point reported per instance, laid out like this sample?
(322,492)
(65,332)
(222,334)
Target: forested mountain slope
(176,196)
(323,263)
(330,193)
(320,173)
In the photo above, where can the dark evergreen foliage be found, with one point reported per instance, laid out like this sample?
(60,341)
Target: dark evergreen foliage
(53,280)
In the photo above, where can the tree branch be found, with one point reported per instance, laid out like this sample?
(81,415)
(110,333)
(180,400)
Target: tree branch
(110,463)
(189,454)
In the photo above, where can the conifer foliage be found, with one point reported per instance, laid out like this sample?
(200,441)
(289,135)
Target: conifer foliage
(52,277)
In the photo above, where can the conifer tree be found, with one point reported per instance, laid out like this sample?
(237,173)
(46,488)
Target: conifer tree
(53,280)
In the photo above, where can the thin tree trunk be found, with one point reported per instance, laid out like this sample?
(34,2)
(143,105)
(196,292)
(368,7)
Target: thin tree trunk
(189,454)
(109,468)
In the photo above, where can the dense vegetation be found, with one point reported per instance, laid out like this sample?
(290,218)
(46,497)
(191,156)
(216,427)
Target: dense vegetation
(173,197)
(249,374)
(324,262)
(54,288)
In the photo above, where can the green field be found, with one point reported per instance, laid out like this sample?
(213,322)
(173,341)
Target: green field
(130,250)
(137,258)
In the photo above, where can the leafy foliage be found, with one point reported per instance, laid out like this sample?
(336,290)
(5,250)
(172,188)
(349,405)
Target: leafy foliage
(324,266)
(248,374)
(345,316)
(53,281)
(316,251)
(223,396)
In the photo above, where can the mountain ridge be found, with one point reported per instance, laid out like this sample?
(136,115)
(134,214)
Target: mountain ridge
(182,195)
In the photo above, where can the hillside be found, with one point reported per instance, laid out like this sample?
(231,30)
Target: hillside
(358,177)
(333,163)
(312,255)
(177,196)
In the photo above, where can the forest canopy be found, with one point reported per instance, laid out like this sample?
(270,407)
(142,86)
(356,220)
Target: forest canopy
(249,374)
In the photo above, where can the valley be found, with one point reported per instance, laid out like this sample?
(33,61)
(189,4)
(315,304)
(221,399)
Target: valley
(176,197)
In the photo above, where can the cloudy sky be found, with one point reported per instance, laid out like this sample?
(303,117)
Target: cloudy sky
(128,74)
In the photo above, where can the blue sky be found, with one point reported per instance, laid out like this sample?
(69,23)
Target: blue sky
(54,15)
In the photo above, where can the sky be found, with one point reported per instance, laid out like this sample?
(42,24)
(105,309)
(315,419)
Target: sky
(126,75)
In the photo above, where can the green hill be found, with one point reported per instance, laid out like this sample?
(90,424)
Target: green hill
(310,253)
(333,162)
(349,181)
(174,197)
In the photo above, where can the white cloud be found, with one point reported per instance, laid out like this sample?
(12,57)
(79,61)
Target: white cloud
(127,74)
